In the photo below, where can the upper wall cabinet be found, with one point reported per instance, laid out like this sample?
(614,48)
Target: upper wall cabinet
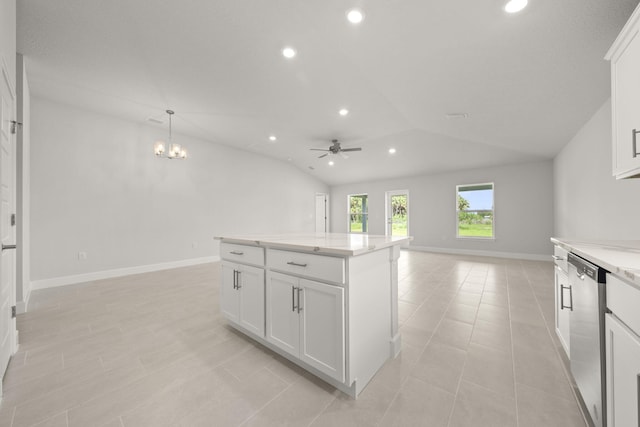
(625,99)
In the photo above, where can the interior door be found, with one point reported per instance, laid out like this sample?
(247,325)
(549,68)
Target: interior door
(322,213)
(397,213)
(7,229)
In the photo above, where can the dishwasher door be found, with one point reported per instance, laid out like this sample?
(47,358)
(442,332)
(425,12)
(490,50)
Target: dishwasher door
(586,336)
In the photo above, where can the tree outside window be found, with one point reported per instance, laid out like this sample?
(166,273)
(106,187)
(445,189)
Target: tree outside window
(475,214)
(358,213)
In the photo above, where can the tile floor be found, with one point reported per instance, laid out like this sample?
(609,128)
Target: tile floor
(153,350)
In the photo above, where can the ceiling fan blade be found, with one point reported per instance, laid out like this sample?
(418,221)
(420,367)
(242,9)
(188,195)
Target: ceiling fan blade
(318,149)
(352,149)
(324,155)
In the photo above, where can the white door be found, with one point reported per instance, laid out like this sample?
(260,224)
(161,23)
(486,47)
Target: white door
(229,297)
(397,213)
(283,326)
(322,213)
(250,283)
(322,327)
(7,230)
(623,374)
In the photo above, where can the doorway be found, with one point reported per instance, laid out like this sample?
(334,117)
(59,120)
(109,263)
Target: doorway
(397,213)
(322,213)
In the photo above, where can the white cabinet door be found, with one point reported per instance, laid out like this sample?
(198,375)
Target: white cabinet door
(322,327)
(283,326)
(625,98)
(623,374)
(229,301)
(564,300)
(250,289)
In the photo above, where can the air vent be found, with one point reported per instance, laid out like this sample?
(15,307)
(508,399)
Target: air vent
(457,115)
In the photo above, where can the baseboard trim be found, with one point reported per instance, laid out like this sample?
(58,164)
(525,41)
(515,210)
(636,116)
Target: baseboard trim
(118,272)
(495,254)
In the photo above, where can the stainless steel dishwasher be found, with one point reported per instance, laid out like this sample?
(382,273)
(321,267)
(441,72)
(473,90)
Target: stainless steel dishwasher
(587,341)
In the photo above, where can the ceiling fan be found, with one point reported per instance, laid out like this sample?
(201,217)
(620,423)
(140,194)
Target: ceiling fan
(335,148)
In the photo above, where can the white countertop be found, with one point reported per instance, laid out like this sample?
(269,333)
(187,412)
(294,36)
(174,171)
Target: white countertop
(620,257)
(328,243)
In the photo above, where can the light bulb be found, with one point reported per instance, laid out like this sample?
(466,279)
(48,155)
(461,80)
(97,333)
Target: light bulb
(355,16)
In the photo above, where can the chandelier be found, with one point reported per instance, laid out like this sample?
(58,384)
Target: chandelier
(176,151)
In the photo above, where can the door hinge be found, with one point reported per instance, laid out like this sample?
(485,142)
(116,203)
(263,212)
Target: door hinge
(13,312)
(13,220)
(14,126)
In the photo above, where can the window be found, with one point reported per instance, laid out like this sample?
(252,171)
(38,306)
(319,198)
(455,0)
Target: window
(474,207)
(358,213)
(397,213)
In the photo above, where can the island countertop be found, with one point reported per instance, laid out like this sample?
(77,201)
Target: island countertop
(328,243)
(620,257)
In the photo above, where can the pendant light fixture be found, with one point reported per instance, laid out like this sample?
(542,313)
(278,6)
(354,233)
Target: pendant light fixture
(175,150)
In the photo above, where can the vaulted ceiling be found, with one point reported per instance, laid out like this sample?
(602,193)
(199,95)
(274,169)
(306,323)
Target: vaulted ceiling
(527,81)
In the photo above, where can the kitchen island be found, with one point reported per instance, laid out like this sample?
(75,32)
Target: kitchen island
(327,302)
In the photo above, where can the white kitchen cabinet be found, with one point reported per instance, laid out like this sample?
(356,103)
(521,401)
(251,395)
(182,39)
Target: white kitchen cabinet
(305,318)
(563,297)
(242,296)
(564,302)
(623,373)
(625,99)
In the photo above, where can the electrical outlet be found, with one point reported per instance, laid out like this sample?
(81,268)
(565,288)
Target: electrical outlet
(82,256)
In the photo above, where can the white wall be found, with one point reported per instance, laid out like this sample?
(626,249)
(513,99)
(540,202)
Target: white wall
(96,187)
(523,209)
(589,202)
(8,37)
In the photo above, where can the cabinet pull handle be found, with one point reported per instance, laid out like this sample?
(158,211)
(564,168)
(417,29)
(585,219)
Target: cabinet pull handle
(562,306)
(557,258)
(634,148)
(293,298)
(296,264)
(235,279)
(299,307)
(236,253)
(238,280)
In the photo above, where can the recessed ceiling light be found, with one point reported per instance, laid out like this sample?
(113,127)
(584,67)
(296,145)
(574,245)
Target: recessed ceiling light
(343,112)
(331,163)
(355,16)
(514,6)
(288,52)
(392,151)
(272,138)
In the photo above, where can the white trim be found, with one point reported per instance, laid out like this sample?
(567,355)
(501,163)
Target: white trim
(118,272)
(512,255)
(7,78)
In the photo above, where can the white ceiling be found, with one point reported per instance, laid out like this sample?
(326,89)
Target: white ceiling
(528,81)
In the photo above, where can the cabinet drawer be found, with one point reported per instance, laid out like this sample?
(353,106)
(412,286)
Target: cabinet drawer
(242,253)
(321,267)
(623,299)
(560,257)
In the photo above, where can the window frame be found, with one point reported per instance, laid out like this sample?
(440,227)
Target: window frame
(493,211)
(364,214)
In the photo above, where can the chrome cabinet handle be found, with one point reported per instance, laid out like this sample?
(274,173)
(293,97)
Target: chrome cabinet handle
(296,264)
(5,247)
(235,279)
(634,148)
(236,253)
(238,279)
(299,307)
(293,298)
(562,306)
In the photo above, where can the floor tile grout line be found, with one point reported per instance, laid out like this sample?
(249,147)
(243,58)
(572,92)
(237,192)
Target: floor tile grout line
(265,405)
(323,409)
(513,354)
